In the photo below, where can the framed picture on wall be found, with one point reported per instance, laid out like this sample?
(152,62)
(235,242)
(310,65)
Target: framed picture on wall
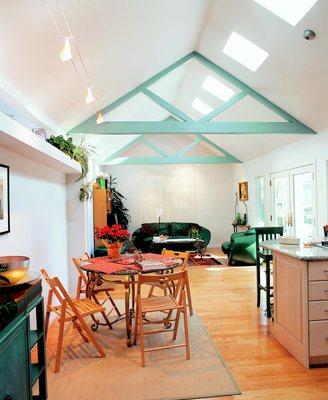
(4,199)
(243,191)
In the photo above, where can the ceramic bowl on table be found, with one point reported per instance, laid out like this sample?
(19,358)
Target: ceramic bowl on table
(13,269)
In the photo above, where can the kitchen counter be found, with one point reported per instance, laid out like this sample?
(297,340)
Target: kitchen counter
(300,294)
(313,253)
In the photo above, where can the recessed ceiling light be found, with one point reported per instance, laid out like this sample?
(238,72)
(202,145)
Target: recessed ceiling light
(202,107)
(218,88)
(244,51)
(291,11)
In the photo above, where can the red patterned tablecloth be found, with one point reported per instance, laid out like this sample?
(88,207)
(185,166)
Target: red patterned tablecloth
(107,265)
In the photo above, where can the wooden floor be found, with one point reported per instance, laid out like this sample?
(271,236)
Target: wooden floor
(225,299)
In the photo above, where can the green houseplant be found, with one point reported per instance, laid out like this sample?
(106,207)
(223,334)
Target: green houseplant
(79,153)
(120,212)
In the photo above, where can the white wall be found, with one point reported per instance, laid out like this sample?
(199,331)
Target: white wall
(38,215)
(186,193)
(311,150)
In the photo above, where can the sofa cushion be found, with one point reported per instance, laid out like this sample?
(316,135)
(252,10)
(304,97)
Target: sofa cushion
(182,228)
(152,228)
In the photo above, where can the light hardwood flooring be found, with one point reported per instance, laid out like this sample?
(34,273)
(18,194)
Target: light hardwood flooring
(225,298)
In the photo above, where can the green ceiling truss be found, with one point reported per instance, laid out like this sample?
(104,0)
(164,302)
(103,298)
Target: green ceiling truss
(182,123)
(163,157)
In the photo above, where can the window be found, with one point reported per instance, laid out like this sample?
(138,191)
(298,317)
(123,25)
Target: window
(291,11)
(259,187)
(217,88)
(244,51)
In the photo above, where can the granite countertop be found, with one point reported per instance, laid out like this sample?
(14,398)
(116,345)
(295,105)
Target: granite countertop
(313,253)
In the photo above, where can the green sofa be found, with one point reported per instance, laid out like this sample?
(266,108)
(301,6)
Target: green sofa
(142,237)
(241,249)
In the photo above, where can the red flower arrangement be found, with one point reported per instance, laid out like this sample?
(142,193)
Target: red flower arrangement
(112,234)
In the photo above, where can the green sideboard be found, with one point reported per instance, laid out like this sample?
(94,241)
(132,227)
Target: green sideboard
(20,370)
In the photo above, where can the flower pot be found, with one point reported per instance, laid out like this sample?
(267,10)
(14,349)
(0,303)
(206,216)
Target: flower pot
(102,183)
(113,249)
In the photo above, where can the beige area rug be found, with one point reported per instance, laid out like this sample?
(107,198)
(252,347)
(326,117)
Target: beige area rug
(119,376)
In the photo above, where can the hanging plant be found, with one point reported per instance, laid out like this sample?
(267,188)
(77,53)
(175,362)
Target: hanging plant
(79,153)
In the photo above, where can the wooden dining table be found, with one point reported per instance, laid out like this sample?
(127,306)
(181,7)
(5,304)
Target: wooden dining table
(124,270)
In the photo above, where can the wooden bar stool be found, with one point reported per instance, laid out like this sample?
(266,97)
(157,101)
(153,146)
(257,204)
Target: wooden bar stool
(262,234)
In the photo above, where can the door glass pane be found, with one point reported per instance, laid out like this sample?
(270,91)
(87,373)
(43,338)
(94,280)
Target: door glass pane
(280,201)
(303,212)
(259,187)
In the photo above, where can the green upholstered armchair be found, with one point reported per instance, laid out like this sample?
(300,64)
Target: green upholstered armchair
(241,248)
(142,237)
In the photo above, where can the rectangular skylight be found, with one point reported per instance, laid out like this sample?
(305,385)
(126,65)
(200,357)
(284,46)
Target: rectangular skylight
(244,51)
(202,107)
(217,88)
(291,11)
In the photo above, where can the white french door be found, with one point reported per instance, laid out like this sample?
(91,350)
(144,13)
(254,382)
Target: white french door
(293,201)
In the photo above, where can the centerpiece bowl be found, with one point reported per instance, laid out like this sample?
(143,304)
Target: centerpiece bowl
(13,269)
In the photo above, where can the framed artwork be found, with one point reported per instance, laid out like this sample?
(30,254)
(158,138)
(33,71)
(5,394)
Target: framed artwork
(4,199)
(243,191)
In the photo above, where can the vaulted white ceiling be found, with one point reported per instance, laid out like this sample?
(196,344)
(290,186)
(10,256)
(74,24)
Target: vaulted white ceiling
(125,42)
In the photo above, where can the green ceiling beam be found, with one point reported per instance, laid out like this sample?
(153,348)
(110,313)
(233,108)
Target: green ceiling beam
(165,158)
(175,160)
(205,127)
(224,107)
(166,105)
(187,125)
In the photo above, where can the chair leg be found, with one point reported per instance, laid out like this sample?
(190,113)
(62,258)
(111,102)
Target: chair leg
(186,327)
(59,344)
(142,339)
(113,304)
(151,291)
(136,322)
(79,329)
(258,282)
(267,286)
(88,332)
(176,324)
(46,324)
(189,296)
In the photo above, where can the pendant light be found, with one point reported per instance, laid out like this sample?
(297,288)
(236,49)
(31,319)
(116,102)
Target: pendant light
(89,97)
(100,118)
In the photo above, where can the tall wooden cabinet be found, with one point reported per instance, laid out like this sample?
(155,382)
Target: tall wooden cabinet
(101,209)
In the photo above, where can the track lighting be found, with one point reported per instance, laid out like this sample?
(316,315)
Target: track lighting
(66,53)
(89,97)
(100,118)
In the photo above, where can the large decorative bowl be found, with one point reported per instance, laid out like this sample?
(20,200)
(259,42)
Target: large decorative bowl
(13,269)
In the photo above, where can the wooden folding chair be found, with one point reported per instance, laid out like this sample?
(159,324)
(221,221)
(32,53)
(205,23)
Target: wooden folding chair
(70,310)
(184,256)
(105,288)
(175,300)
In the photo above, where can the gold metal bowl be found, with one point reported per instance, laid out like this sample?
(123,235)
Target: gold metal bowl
(13,269)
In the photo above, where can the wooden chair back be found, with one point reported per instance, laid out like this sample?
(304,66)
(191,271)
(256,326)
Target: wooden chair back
(266,233)
(174,283)
(183,255)
(82,279)
(57,288)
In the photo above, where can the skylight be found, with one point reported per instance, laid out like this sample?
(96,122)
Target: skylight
(217,88)
(200,106)
(244,51)
(291,11)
